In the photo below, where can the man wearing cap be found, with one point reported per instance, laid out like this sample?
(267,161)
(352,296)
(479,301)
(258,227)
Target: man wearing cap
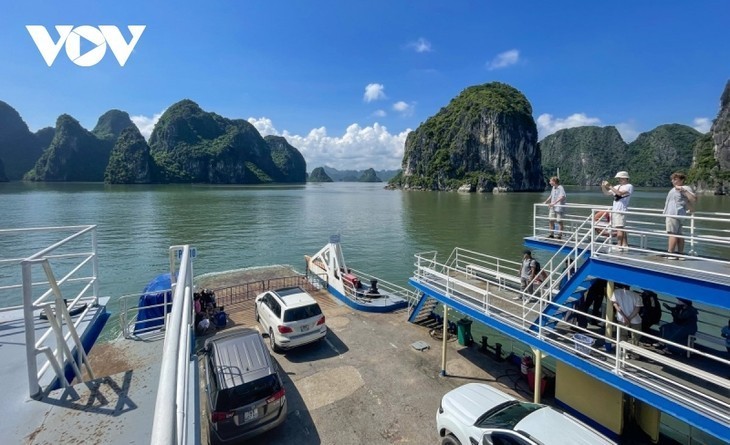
(621,195)
(527,272)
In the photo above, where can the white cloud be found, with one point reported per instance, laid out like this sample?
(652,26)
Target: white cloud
(146,124)
(702,124)
(504,60)
(420,46)
(264,125)
(404,108)
(374,91)
(380,113)
(358,148)
(548,124)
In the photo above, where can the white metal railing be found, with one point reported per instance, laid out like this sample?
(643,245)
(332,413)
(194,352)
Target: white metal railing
(706,234)
(484,297)
(171,407)
(54,270)
(388,288)
(129,312)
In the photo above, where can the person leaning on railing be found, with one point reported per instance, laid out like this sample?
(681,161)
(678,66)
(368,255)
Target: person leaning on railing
(679,201)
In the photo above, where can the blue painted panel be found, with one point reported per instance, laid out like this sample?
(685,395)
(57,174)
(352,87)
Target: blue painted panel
(381,308)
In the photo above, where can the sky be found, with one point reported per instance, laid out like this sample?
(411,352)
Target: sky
(346,81)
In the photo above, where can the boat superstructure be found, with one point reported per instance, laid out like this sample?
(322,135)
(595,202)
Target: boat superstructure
(596,380)
(357,289)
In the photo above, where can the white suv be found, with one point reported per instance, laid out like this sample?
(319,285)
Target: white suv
(290,317)
(476,413)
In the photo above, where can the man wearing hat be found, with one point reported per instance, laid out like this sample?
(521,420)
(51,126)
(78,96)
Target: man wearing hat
(621,195)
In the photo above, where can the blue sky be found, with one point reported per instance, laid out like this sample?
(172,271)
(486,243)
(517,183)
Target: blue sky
(345,81)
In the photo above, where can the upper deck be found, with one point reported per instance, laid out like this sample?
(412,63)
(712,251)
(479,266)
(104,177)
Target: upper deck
(692,386)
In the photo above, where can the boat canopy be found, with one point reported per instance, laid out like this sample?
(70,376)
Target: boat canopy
(152,308)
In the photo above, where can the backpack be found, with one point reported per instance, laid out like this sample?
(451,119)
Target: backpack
(651,311)
(540,274)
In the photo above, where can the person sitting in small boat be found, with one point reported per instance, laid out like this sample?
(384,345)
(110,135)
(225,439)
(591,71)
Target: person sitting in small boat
(684,324)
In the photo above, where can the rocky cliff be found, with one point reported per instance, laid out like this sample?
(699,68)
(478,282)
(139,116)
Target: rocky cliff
(711,163)
(287,159)
(584,155)
(192,145)
(319,175)
(3,177)
(354,175)
(369,175)
(74,154)
(130,161)
(485,136)
(656,154)
(111,124)
(19,148)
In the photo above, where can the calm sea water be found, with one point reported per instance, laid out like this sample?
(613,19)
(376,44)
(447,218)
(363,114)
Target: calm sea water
(235,227)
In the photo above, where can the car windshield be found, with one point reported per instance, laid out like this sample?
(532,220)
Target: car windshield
(242,395)
(302,313)
(507,415)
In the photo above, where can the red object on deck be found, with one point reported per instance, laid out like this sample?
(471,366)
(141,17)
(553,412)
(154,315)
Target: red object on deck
(351,279)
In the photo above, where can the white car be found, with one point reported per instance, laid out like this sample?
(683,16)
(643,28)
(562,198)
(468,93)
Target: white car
(290,317)
(478,414)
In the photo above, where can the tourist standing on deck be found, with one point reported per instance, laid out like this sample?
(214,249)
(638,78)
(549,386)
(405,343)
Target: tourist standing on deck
(621,195)
(679,200)
(627,305)
(555,202)
(527,272)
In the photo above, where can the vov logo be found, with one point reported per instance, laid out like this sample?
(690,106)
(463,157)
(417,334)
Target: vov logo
(70,37)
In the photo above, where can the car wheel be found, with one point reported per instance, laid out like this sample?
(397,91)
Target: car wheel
(272,341)
(450,440)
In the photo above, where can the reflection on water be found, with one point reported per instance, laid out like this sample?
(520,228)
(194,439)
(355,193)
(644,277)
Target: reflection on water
(244,226)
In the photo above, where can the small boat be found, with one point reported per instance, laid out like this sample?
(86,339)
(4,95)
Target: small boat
(328,268)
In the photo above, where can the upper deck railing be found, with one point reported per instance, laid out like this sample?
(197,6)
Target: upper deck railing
(706,235)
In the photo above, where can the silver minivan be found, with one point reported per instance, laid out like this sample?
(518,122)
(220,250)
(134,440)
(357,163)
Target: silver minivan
(245,394)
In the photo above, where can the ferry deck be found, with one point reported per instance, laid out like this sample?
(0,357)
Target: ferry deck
(144,388)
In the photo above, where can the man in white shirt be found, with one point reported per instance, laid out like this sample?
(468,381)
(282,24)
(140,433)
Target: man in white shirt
(555,202)
(627,305)
(621,196)
(679,201)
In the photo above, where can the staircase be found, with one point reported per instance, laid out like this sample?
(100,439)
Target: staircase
(423,309)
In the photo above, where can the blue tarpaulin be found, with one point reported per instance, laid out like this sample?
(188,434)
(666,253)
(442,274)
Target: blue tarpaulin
(151,309)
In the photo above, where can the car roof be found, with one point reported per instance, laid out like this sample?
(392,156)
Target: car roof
(239,356)
(474,399)
(294,297)
(553,427)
